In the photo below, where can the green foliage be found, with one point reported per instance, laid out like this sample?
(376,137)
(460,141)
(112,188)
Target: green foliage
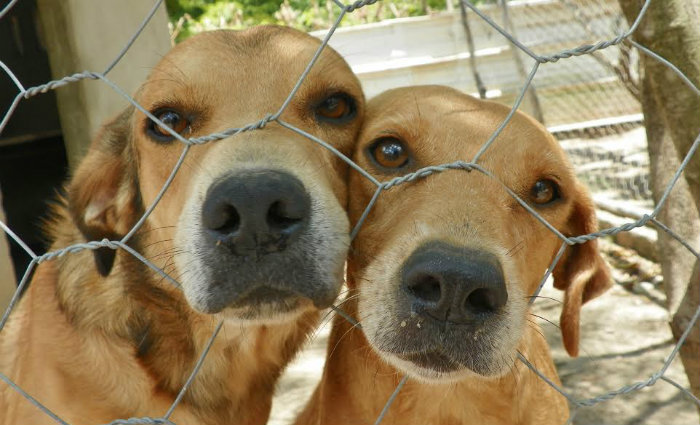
(191,16)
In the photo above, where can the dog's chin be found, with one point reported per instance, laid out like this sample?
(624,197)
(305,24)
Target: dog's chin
(262,306)
(437,368)
(267,313)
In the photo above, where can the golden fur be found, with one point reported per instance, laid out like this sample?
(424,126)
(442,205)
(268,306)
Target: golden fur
(99,336)
(466,210)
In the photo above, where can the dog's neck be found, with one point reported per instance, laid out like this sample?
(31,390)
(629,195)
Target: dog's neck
(153,329)
(357,384)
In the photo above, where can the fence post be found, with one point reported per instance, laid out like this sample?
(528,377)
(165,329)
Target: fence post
(86,35)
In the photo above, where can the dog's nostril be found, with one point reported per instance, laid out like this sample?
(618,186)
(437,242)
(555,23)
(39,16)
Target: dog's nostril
(226,221)
(481,300)
(281,215)
(427,288)
(233,222)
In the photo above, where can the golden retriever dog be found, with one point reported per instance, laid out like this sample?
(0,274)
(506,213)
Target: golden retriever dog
(443,269)
(254,228)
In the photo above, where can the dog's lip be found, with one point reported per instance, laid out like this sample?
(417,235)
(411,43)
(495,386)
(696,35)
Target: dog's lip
(264,295)
(435,360)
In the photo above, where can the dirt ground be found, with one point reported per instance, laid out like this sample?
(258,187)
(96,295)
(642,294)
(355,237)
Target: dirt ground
(624,339)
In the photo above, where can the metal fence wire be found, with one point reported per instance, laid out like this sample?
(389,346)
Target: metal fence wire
(536,60)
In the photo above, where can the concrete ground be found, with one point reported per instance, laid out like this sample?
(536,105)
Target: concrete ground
(624,339)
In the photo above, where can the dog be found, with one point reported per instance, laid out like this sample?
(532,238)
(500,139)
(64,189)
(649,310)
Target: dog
(441,272)
(253,228)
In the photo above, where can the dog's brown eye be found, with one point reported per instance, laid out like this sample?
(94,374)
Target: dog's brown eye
(544,191)
(389,152)
(172,119)
(338,109)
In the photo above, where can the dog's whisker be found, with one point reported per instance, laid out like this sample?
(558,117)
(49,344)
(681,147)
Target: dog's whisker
(534,326)
(543,297)
(545,319)
(346,333)
(152,244)
(145,230)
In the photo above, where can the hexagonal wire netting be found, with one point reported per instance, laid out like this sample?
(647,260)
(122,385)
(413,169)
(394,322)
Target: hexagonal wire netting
(473,165)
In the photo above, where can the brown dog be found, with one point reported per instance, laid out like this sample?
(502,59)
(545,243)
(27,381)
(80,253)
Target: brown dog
(442,270)
(253,227)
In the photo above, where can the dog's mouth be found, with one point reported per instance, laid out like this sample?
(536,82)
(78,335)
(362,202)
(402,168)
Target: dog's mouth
(432,360)
(264,295)
(442,352)
(267,304)
(447,363)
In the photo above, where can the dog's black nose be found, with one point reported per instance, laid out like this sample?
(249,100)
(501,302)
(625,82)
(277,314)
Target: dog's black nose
(256,212)
(453,284)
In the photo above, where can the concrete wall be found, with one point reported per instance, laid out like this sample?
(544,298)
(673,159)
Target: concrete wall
(86,35)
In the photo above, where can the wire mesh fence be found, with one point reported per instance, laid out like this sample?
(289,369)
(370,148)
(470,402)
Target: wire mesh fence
(615,167)
(536,60)
(587,83)
(590,88)
(580,87)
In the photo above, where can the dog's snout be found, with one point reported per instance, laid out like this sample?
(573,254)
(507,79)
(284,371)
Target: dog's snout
(454,284)
(256,212)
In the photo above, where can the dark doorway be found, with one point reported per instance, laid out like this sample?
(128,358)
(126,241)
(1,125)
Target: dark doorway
(32,155)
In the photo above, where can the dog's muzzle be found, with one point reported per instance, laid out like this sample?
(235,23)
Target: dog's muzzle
(450,307)
(258,244)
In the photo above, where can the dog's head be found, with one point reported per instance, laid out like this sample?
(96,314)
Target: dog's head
(445,265)
(253,226)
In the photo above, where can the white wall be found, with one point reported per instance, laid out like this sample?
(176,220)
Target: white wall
(433,50)
(87,35)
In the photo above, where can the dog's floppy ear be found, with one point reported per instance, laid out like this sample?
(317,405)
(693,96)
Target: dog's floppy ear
(581,272)
(103,194)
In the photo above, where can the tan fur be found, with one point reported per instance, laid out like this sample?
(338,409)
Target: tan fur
(94,349)
(440,125)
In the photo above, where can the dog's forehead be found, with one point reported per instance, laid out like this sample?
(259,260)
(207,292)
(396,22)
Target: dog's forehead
(263,44)
(256,58)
